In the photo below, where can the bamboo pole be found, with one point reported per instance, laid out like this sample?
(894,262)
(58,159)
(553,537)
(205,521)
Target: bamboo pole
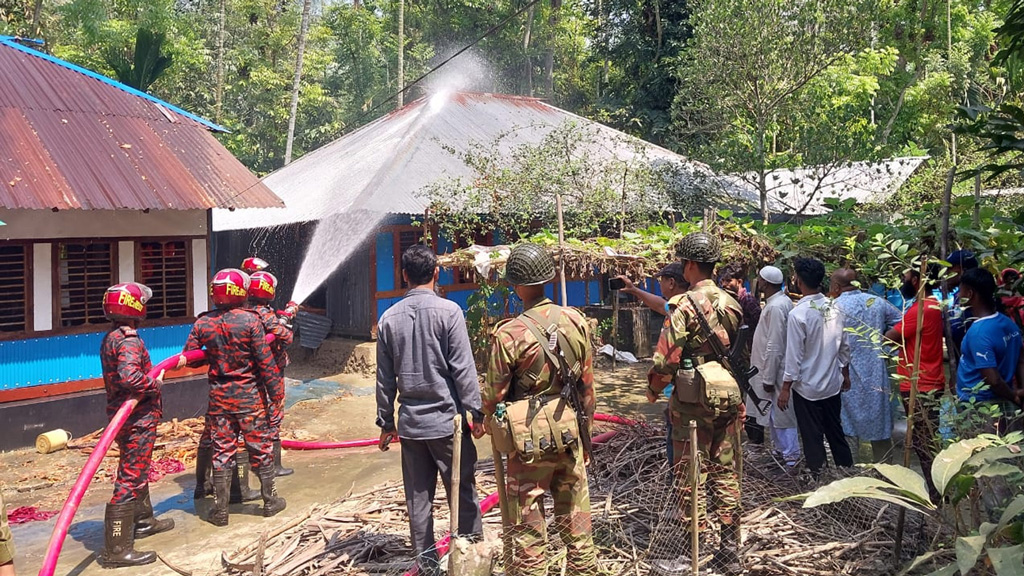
(561,249)
(499,484)
(977,201)
(694,495)
(915,376)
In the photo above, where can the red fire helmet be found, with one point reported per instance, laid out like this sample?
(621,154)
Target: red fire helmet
(229,288)
(126,301)
(250,265)
(262,286)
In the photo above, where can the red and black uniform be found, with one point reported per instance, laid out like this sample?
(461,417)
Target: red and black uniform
(126,365)
(274,387)
(239,359)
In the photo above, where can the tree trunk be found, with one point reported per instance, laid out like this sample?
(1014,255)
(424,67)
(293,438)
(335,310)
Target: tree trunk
(527,61)
(401,53)
(297,83)
(37,15)
(219,89)
(549,58)
(762,187)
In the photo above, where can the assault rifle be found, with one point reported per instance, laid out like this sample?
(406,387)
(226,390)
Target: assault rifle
(728,362)
(573,397)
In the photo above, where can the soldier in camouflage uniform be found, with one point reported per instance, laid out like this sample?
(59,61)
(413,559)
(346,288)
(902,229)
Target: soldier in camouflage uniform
(239,359)
(519,368)
(126,365)
(262,289)
(717,407)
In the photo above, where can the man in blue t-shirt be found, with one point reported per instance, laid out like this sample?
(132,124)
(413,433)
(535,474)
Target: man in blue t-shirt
(991,351)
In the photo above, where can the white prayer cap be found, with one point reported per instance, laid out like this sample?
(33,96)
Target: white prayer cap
(771,275)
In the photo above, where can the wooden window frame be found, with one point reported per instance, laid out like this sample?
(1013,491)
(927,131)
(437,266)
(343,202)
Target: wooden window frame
(396,235)
(55,287)
(29,283)
(189,278)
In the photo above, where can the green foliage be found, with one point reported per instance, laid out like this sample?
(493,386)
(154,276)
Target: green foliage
(145,65)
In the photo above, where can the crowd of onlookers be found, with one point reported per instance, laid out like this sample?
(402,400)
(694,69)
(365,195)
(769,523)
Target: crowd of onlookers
(822,348)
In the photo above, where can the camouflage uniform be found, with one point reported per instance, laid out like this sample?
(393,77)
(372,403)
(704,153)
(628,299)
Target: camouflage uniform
(273,390)
(126,364)
(6,540)
(240,359)
(717,420)
(514,351)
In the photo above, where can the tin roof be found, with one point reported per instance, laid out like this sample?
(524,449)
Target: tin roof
(805,190)
(384,166)
(75,139)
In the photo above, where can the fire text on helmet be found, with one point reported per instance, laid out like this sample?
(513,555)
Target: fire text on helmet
(233,290)
(266,286)
(125,298)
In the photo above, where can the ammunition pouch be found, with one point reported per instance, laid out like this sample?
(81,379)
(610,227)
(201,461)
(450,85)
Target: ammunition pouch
(721,393)
(534,427)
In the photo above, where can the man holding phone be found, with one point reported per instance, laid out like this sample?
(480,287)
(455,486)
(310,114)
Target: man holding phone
(670,280)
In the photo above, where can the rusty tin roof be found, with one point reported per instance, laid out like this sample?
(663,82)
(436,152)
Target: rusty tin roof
(71,138)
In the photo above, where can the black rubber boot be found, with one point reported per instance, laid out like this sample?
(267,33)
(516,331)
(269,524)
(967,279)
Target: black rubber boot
(278,469)
(119,538)
(145,523)
(272,503)
(240,487)
(204,465)
(221,487)
(727,559)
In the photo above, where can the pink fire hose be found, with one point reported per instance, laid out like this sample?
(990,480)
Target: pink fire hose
(67,512)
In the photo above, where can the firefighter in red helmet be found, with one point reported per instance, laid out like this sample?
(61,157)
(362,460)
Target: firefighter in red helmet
(126,364)
(262,289)
(240,359)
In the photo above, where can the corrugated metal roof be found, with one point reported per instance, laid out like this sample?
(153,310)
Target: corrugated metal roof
(75,139)
(804,190)
(383,166)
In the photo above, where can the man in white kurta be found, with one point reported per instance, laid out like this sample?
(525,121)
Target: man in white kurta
(768,355)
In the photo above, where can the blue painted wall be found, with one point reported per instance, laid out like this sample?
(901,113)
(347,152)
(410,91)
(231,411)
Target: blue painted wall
(41,361)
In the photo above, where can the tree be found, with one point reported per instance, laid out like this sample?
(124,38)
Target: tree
(294,108)
(744,72)
(147,64)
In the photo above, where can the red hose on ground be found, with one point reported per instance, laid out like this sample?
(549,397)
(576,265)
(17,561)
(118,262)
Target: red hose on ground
(67,513)
(613,419)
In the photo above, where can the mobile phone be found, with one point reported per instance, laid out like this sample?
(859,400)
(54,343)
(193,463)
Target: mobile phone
(616,283)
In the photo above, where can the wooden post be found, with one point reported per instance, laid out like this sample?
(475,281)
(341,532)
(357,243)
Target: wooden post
(915,376)
(456,473)
(561,249)
(615,326)
(951,347)
(499,485)
(694,495)
(738,455)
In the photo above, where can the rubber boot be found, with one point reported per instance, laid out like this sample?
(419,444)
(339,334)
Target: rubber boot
(727,559)
(145,523)
(204,465)
(221,488)
(119,538)
(272,503)
(240,487)
(278,469)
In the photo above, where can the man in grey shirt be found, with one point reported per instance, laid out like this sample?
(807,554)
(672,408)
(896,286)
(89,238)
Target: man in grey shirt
(424,356)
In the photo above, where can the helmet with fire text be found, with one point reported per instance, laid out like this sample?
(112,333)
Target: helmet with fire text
(229,288)
(126,301)
(262,286)
(250,265)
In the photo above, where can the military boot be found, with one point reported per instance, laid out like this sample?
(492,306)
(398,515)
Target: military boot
(272,503)
(119,538)
(278,469)
(728,559)
(204,465)
(221,488)
(241,491)
(145,523)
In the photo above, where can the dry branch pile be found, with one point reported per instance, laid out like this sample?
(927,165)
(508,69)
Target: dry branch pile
(175,440)
(634,521)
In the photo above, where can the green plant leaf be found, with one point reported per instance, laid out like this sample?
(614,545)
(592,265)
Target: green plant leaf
(919,561)
(945,571)
(859,487)
(950,461)
(907,480)
(1014,509)
(968,549)
(996,469)
(1007,561)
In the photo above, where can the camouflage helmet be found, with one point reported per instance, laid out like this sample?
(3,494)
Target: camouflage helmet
(529,265)
(699,247)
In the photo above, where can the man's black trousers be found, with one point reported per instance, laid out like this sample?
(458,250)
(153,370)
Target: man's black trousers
(817,421)
(421,462)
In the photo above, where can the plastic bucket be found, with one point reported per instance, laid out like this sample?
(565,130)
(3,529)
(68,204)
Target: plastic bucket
(52,441)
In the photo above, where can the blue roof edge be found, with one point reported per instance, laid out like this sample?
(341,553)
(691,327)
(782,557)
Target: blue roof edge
(13,42)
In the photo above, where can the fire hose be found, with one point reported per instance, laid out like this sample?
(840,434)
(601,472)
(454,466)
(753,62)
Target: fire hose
(74,500)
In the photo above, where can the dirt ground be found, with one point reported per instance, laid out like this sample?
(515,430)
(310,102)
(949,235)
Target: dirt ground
(331,398)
